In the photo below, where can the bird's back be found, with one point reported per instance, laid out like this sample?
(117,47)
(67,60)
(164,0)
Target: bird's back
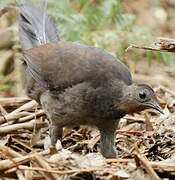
(57,66)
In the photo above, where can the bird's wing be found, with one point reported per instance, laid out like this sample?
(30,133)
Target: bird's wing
(56,66)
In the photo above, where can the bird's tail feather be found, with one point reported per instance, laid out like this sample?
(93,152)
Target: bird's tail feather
(36,27)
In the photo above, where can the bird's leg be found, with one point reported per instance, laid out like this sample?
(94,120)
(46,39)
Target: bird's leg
(55,133)
(107,142)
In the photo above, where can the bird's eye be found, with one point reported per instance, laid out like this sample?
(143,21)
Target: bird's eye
(142,95)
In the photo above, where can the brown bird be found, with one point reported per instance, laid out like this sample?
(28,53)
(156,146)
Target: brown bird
(77,84)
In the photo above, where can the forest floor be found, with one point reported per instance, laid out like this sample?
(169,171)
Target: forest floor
(145,141)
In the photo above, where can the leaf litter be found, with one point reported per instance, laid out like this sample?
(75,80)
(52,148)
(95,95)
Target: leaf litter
(145,144)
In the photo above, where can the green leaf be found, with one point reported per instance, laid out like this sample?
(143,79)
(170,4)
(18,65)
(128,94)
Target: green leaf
(168,58)
(136,56)
(149,56)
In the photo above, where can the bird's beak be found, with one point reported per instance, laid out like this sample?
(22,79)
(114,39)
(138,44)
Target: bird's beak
(155,106)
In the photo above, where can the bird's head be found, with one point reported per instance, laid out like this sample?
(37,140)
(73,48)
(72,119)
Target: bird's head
(138,97)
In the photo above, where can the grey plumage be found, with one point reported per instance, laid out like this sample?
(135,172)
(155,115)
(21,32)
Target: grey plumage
(77,84)
(36,28)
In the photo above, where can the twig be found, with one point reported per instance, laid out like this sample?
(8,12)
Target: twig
(119,160)
(13,101)
(26,125)
(162,166)
(20,167)
(26,106)
(12,154)
(141,47)
(6,164)
(20,175)
(134,118)
(43,164)
(164,44)
(148,168)
(159,166)
(130,132)
(9,152)
(29,117)
(149,126)
(8,118)
(3,111)
(22,145)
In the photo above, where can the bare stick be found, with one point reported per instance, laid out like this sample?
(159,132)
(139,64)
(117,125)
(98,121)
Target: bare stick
(3,111)
(147,166)
(119,160)
(15,116)
(29,117)
(20,175)
(54,171)
(43,164)
(26,106)
(163,166)
(6,164)
(26,125)
(164,44)
(14,101)
(9,152)
(141,47)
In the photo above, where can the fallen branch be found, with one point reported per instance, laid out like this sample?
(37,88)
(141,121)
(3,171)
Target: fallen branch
(27,125)
(24,107)
(6,151)
(162,166)
(6,164)
(29,117)
(141,160)
(20,167)
(164,44)
(14,101)
(43,164)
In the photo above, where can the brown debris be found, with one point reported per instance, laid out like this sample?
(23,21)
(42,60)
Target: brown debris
(147,166)
(22,150)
